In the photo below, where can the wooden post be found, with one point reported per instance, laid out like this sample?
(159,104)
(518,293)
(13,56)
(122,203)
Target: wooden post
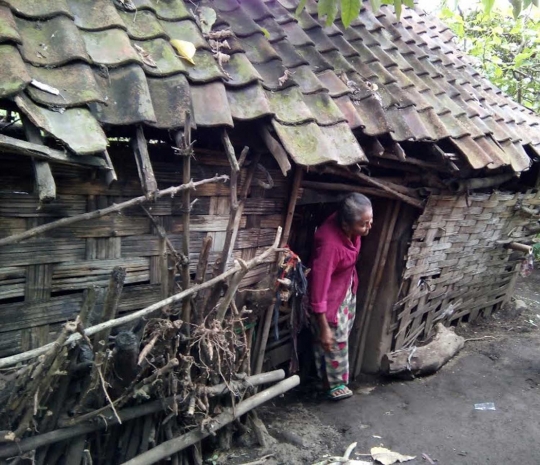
(183,142)
(297,180)
(45,185)
(144,165)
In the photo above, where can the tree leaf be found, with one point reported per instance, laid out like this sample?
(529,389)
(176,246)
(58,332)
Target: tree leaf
(409,3)
(488,6)
(350,9)
(375,4)
(207,18)
(265,32)
(300,7)
(516,7)
(397,7)
(185,49)
(328,8)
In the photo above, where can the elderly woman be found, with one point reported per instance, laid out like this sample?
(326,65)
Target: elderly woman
(333,285)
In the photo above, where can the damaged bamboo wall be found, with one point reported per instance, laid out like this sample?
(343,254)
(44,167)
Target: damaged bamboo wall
(42,279)
(457,266)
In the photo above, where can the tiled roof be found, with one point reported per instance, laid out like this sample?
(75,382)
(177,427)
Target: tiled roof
(113,64)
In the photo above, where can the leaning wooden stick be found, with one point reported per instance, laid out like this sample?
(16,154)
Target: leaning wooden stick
(167,448)
(15,238)
(12,360)
(130,413)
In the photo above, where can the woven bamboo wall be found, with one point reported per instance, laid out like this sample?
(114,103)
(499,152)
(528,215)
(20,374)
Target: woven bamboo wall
(456,262)
(42,279)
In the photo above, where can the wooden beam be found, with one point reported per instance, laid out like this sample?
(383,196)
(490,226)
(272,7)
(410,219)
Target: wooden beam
(297,180)
(110,175)
(331,186)
(275,148)
(144,165)
(44,181)
(42,152)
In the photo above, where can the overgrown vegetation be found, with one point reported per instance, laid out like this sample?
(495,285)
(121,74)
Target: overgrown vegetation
(507,50)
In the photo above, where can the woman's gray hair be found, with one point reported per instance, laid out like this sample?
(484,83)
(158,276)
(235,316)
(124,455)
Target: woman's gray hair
(352,207)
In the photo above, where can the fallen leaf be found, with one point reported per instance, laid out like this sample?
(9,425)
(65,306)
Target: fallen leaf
(283,79)
(207,17)
(265,32)
(185,49)
(145,56)
(388,457)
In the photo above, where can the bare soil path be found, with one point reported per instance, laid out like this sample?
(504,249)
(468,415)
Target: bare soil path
(434,415)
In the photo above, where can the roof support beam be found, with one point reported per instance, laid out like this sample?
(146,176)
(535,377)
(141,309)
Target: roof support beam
(44,153)
(144,166)
(44,181)
(275,149)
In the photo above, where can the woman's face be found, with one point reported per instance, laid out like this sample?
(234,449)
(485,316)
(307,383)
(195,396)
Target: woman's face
(363,225)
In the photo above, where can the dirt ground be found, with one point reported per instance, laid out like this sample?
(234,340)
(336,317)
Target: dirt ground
(433,415)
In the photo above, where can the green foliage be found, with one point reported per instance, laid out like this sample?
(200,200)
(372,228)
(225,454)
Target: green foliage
(507,50)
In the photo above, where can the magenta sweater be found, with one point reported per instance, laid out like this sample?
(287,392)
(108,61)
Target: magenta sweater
(333,265)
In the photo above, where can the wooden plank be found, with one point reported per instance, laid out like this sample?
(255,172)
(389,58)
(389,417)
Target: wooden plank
(30,314)
(44,153)
(27,205)
(39,251)
(144,165)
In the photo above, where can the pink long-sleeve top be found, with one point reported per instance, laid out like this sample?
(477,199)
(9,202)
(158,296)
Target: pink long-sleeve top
(333,266)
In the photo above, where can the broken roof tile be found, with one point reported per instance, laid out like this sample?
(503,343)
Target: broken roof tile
(53,42)
(39,9)
(210,105)
(127,97)
(95,15)
(68,80)
(76,127)
(8,27)
(172,96)
(111,47)
(13,78)
(249,102)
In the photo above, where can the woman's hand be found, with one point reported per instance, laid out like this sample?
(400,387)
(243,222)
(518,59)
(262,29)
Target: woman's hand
(327,339)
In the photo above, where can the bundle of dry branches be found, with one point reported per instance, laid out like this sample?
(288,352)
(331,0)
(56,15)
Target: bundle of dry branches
(147,377)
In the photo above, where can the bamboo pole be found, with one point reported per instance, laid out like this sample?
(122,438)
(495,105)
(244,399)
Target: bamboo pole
(168,448)
(130,413)
(297,180)
(172,191)
(12,360)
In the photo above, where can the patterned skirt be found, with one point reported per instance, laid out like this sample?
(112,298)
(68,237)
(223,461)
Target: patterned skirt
(334,365)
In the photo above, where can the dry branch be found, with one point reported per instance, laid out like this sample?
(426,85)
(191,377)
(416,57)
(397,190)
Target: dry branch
(7,361)
(172,191)
(168,448)
(131,413)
